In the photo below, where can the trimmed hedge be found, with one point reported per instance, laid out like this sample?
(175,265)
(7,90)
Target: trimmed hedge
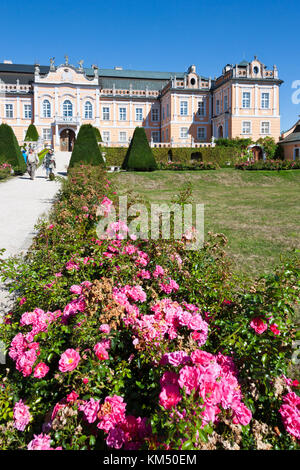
(31,134)
(86,149)
(139,156)
(10,151)
(187,167)
(98,135)
(218,155)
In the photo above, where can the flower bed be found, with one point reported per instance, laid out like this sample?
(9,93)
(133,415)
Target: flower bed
(269,165)
(5,170)
(130,344)
(177,166)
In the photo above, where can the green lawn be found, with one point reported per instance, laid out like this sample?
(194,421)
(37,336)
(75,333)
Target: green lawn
(258,211)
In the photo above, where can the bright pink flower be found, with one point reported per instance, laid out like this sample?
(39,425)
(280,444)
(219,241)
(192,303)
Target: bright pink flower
(202,358)
(90,410)
(76,289)
(104,328)
(258,325)
(111,413)
(85,380)
(189,378)
(72,397)
(40,442)
(242,413)
(101,352)
(69,360)
(158,271)
(274,329)
(116,438)
(169,396)
(22,415)
(22,301)
(40,370)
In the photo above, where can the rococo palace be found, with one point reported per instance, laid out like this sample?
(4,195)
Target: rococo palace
(175,108)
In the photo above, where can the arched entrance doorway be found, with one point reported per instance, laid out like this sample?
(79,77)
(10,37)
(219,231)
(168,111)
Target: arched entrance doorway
(67,139)
(257,152)
(220,132)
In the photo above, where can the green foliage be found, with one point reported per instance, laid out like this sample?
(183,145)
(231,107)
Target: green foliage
(98,135)
(275,165)
(31,134)
(269,145)
(9,149)
(237,143)
(139,156)
(221,156)
(86,149)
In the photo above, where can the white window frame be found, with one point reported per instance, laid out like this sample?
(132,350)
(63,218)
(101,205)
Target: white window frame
(201,108)
(123,133)
(157,134)
(246,101)
(204,133)
(26,108)
(67,108)
(9,110)
(106,136)
(46,109)
(155,114)
(265,102)
(47,134)
(122,114)
(184,132)
(184,108)
(262,125)
(105,113)
(139,115)
(88,110)
(243,128)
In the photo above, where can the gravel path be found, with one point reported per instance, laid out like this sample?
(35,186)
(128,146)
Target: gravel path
(22,202)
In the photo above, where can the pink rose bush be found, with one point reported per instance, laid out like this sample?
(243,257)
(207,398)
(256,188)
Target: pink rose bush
(118,333)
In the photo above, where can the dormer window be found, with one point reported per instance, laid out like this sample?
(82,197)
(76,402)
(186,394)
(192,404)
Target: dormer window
(193,81)
(255,70)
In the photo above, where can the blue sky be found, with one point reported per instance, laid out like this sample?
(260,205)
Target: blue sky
(158,35)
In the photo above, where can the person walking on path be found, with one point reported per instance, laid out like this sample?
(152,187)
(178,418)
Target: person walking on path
(49,164)
(24,155)
(32,163)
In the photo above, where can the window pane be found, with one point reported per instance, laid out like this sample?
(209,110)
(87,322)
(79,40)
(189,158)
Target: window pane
(139,114)
(246,99)
(105,114)
(183,108)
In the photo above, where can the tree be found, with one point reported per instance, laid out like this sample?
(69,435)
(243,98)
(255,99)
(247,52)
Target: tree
(86,149)
(98,135)
(139,155)
(31,134)
(269,145)
(9,149)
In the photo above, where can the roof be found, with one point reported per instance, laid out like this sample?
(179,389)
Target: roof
(244,63)
(136,84)
(22,68)
(293,137)
(142,74)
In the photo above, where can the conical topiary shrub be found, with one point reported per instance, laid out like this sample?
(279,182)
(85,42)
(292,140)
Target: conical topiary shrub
(98,135)
(86,149)
(31,134)
(139,155)
(9,149)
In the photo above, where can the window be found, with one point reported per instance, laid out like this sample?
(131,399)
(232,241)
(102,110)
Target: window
(297,154)
(246,127)
(122,114)
(201,108)
(138,114)
(46,109)
(47,134)
(106,136)
(88,110)
(168,110)
(155,114)
(201,133)
(163,136)
(218,107)
(163,113)
(246,99)
(155,135)
(265,100)
(27,111)
(9,113)
(225,102)
(183,108)
(265,127)
(167,135)
(105,114)
(67,109)
(184,132)
(123,137)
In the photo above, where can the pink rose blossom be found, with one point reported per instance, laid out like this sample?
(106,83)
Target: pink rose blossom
(69,360)
(40,370)
(22,415)
(258,325)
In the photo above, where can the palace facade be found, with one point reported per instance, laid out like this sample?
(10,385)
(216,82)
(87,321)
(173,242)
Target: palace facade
(175,108)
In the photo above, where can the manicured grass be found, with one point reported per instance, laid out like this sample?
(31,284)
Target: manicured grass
(258,211)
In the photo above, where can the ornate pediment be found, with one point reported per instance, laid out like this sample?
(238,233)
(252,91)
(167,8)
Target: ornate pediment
(66,74)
